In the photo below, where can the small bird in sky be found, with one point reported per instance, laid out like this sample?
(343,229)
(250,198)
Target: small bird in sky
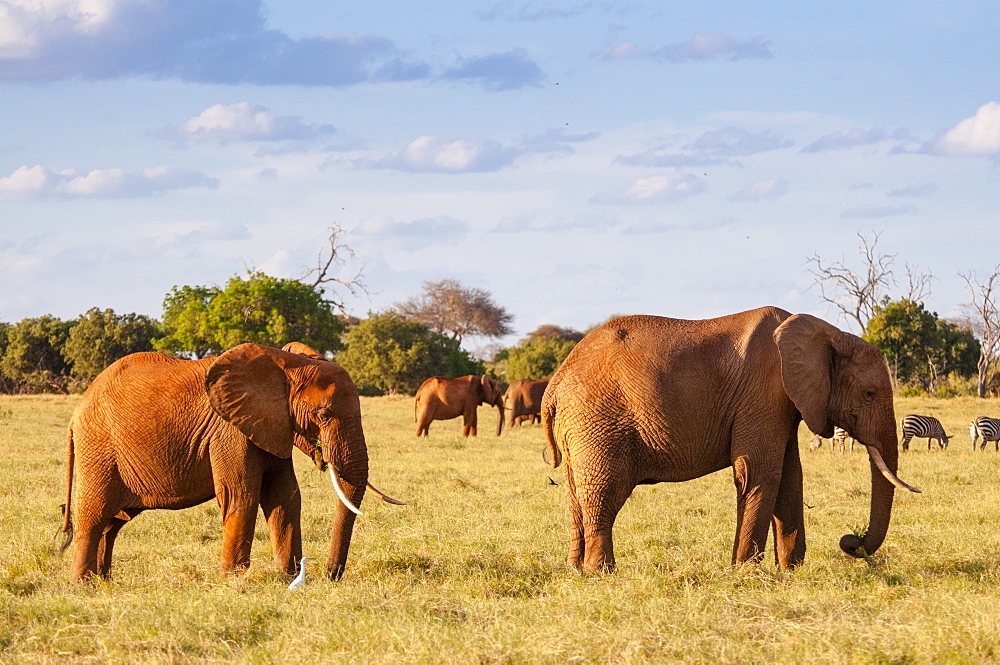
(300,580)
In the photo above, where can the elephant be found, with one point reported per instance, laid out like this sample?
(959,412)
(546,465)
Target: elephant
(649,399)
(523,400)
(158,432)
(439,398)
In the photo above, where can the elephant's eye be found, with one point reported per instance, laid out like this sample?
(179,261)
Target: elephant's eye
(868,395)
(323,415)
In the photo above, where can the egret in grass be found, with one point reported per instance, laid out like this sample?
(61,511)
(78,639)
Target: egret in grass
(300,580)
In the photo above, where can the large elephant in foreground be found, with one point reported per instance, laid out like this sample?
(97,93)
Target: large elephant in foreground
(523,400)
(647,399)
(439,398)
(156,432)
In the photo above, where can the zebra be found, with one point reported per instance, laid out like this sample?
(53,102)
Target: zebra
(928,426)
(987,428)
(840,437)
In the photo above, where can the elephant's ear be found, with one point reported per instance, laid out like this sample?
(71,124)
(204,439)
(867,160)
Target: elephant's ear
(806,345)
(491,389)
(250,391)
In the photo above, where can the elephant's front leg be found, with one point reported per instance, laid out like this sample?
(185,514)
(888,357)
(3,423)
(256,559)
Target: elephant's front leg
(239,504)
(756,491)
(281,502)
(469,422)
(789,518)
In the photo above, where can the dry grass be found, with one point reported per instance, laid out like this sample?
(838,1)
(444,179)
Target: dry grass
(472,570)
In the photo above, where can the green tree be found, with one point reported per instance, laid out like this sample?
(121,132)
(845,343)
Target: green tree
(33,359)
(535,357)
(6,385)
(259,308)
(388,353)
(186,319)
(101,337)
(919,347)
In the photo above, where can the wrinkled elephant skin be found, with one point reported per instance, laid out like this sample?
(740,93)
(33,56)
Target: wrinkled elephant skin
(156,432)
(647,399)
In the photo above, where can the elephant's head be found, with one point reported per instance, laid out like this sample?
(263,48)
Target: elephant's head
(488,392)
(837,379)
(279,399)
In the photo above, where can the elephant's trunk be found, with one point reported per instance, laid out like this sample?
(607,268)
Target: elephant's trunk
(884,483)
(499,405)
(348,459)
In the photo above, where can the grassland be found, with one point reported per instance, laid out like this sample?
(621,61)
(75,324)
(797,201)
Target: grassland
(472,570)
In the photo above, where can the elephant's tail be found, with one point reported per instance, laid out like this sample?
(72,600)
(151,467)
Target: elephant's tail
(67,525)
(548,416)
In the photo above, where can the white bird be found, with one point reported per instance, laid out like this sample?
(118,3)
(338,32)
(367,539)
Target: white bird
(300,580)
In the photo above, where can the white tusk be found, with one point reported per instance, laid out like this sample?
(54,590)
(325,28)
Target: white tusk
(340,492)
(889,475)
(385,497)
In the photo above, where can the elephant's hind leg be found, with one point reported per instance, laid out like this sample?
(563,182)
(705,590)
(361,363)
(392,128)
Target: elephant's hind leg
(281,503)
(601,489)
(106,547)
(577,543)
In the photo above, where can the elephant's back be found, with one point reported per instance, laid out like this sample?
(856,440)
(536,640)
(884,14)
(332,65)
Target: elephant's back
(654,379)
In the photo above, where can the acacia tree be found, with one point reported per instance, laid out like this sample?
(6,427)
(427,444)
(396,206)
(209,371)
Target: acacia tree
(985,319)
(857,291)
(449,307)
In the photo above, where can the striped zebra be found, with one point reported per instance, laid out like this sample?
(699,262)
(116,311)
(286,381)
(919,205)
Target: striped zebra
(840,437)
(987,428)
(923,426)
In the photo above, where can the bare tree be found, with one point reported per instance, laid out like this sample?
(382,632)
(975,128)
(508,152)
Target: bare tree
(450,307)
(859,292)
(328,260)
(985,320)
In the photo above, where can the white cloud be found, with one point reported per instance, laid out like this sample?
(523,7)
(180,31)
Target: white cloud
(763,190)
(978,135)
(442,155)
(36,182)
(657,189)
(243,122)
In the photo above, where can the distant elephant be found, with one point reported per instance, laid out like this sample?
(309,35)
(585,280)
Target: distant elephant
(647,399)
(439,398)
(156,432)
(523,400)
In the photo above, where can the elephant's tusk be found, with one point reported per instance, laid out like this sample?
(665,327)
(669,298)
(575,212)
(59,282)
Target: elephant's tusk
(340,492)
(876,458)
(385,497)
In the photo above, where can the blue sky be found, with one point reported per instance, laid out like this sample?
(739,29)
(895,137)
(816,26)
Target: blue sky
(576,159)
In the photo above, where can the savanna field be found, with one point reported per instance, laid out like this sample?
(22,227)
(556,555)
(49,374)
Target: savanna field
(472,569)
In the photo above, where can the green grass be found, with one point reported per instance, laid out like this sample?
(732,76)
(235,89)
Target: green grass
(472,570)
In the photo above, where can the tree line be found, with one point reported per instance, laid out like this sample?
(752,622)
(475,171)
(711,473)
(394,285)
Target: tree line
(387,352)
(393,351)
